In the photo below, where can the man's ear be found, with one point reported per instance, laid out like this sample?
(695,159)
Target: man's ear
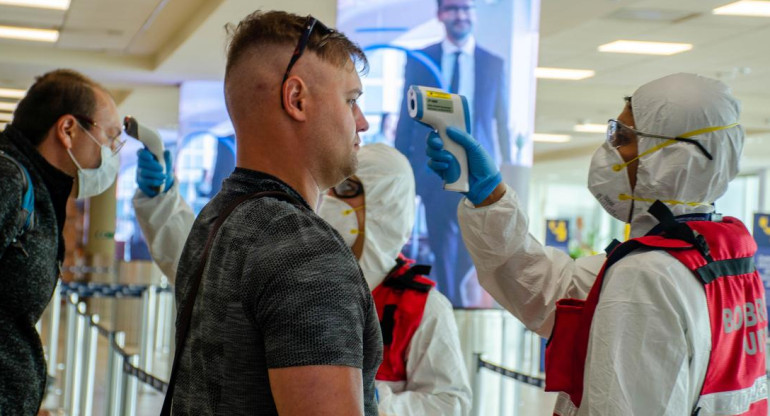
(295,96)
(64,129)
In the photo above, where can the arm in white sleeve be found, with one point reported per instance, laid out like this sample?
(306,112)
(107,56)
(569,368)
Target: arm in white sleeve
(650,340)
(165,220)
(524,276)
(437,380)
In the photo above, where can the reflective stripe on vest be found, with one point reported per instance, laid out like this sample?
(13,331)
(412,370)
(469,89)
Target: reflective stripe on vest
(733,402)
(400,300)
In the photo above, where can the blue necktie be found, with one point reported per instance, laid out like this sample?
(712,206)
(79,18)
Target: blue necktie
(454,85)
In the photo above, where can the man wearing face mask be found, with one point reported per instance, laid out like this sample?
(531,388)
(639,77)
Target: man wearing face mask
(671,322)
(422,372)
(63,141)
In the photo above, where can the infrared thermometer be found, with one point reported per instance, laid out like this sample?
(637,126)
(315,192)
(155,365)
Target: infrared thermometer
(438,110)
(148,136)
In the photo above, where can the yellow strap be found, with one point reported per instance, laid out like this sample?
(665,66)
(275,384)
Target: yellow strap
(352,210)
(707,130)
(626,197)
(627,232)
(672,141)
(654,149)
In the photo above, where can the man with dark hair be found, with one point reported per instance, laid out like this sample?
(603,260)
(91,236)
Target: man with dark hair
(467,69)
(66,127)
(283,321)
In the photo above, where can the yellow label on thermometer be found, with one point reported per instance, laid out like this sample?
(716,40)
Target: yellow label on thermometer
(439,94)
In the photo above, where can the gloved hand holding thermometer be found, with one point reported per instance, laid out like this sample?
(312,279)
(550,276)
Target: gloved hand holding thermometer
(483,175)
(154,173)
(440,110)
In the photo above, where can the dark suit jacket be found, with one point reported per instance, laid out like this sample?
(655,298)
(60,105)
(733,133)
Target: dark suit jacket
(490,109)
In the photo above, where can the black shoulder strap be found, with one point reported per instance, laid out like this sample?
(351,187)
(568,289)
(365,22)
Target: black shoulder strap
(186,308)
(406,280)
(671,228)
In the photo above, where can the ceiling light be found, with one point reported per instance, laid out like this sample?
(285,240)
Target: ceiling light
(590,128)
(40,4)
(6,116)
(645,48)
(563,73)
(745,8)
(11,93)
(27,33)
(7,106)
(551,138)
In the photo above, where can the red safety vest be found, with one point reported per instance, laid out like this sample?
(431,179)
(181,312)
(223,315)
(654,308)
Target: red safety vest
(721,256)
(400,301)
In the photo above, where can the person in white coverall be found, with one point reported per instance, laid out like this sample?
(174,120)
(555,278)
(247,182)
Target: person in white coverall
(375,215)
(650,336)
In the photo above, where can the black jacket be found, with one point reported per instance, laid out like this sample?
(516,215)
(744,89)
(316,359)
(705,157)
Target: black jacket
(29,270)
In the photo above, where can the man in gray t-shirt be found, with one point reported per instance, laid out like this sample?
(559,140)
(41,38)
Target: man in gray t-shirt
(283,321)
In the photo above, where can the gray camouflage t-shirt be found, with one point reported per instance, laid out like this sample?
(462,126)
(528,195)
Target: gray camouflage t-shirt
(281,289)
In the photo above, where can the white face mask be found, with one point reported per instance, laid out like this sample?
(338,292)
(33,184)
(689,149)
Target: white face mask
(607,185)
(342,217)
(92,182)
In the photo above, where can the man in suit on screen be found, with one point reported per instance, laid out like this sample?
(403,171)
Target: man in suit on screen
(469,70)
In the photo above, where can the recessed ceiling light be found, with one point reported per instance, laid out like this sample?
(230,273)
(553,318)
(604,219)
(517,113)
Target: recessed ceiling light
(590,128)
(12,93)
(563,73)
(40,4)
(551,138)
(28,33)
(745,8)
(7,106)
(6,116)
(645,48)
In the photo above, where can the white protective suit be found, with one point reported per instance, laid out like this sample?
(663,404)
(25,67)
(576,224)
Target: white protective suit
(437,381)
(650,337)
(165,220)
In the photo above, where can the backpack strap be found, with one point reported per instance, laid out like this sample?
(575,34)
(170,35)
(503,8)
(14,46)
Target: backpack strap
(25,219)
(671,228)
(186,307)
(406,280)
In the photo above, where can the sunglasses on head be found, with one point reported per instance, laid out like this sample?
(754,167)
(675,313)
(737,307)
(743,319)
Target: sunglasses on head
(349,188)
(310,24)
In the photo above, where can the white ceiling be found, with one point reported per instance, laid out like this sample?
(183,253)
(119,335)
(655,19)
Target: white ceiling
(734,49)
(141,49)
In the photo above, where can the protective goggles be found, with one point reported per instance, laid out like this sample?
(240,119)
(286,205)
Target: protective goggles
(618,134)
(349,188)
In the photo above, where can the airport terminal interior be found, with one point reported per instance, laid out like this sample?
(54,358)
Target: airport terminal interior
(563,68)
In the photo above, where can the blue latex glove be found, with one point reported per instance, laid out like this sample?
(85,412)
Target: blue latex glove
(150,175)
(483,175)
